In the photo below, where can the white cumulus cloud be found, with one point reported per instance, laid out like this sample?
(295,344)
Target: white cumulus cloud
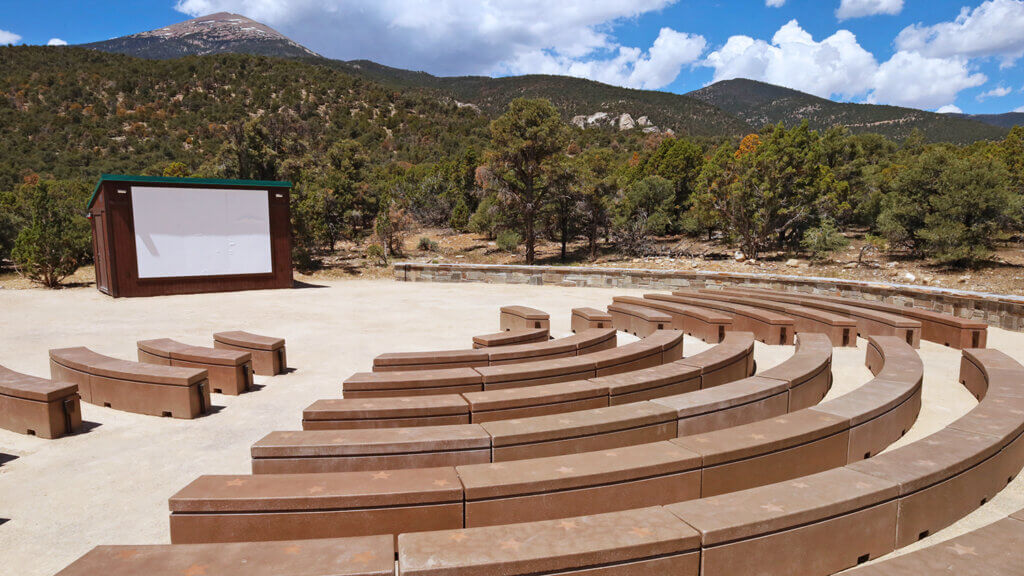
(837,65)
(775,3)
(860,8)
(1021,109)
(997,92)
(840,66)
(912,79)
(994,28)
(450,37)
(56,42)
(950,109)
(8,38)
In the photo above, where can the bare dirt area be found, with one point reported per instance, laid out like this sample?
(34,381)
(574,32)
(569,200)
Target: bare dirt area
(59,498)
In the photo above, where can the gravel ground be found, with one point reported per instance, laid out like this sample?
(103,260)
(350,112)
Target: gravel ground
(111,484)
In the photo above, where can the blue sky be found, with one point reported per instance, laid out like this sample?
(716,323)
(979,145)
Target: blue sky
(930,54)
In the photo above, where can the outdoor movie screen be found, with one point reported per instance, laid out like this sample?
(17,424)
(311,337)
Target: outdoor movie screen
(201,231)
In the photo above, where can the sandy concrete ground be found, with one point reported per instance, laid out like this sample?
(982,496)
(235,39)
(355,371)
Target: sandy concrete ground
(111,485)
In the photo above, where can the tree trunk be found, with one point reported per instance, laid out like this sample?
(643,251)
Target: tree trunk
(530,240)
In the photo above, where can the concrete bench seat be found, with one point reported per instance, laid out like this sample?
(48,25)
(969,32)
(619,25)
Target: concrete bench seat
(578,484)
(523,317)
(644,542)
(230,372)
(704,323)
(841,330)
(299,506)
(808,370)
(269,356)
(585,342)
(638,320)
(769,327)
(731,360)
(938,327)
(869,322)
(359,556)
(993,550)
(370,449)
(37,406)
(132,386)
(711,367)
(558,398)
(412,383)
(397,412)
(509,337)
(587,318)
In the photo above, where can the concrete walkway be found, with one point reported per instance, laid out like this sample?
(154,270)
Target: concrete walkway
(110,485)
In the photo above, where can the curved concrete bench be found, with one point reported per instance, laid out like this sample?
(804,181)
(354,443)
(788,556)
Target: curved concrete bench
(132,386)
(509,337)
(994,550)
(938,327)
(654,350)
(869,322)
(638,320)
(730,360)
(361,556)
(230,371)
(769,327)
(841,330)
(588,318)
(522,317)
(704,323)
(269,357)
(37,406)
(585,342)
(629,475)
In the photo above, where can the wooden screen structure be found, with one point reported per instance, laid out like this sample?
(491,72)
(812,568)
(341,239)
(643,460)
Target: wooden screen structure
(154,236)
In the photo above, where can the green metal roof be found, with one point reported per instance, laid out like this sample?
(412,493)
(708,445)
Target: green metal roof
(168,180)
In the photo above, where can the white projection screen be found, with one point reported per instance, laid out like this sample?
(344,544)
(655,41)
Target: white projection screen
(201,231)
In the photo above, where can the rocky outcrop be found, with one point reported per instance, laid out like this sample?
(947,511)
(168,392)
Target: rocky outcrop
(626,122)
(622,122)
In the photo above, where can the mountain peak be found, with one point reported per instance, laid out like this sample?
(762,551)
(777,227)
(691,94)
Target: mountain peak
(211,34)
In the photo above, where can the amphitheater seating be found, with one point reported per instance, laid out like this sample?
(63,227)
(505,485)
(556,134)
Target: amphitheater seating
(510,337)
(731,360)
(361,556)
(588,318)
(583,478)
(230,371)
(132,386)
(994,550)
(37,406)
(269,357)
(638,320)
(521,317)
(840,328)
(656,349)
(869,322)
(938,327)
(708,325)
(578,344)
(769,327)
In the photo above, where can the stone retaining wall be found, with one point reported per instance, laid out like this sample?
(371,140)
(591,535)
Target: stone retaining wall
(995,309)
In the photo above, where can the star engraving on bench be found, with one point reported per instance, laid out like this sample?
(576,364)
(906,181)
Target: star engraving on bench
(440,483)
(363,557)
(924,463)
(757,436)
(598,411)
(457,536)
(800,485)
(565,470)
(497,466)
(287,434)
(862,485)
(702,440)
(781,420)
(315,489)
(381,475)
(512,544)
(127,554)
(404,432)
(293,549)
(611,454)
(405,399)
(564,421)
(195,570)
(514,422)
(567,525)
(368,404)
(641,532)
(235,482)
(962,550)
(772,508)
